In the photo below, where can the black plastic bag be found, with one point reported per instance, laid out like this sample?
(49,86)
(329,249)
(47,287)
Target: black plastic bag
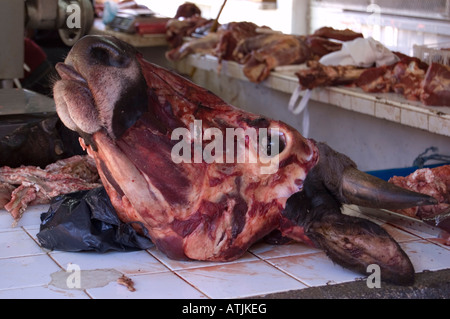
(86,220)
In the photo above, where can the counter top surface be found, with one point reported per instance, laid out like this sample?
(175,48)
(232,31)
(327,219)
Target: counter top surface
(29,271)
(136,40)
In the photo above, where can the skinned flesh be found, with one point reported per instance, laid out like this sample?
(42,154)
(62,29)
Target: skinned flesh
(126,109)
(191,210)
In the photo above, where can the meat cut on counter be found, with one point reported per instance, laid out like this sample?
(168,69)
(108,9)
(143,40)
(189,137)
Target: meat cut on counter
(341,35)
(31,185)
(431,181)
(281,50)
(258,48)
(410,77)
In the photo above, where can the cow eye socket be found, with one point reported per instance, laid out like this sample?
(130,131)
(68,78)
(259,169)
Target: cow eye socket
(273,144)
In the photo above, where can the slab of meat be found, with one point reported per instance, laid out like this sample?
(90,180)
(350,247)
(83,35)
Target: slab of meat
(204,45)
(262,53)
(404,77)
(342,35)
(436,85)
(408,80)
(30,185)
(376,80)
(177,29)
(187,10)
(5,194)
(232,34)
(410,77)
(246,46)
(317,75)
(434,182)
(283,50)
(260,49)
(220,43)
(321,46)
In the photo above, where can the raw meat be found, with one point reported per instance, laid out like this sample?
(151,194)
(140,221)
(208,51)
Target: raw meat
(436,86)
(220,43)
(409,77)
(30,185)
(284,50)
(321,46)
(317,75)
(194,203)
(434,182)
(187,10)
(342,35)
(177,29)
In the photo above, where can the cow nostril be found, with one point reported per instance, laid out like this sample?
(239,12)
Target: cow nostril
(99,54)
(108,55)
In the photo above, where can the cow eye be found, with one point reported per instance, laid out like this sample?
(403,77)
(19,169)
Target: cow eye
(273,144)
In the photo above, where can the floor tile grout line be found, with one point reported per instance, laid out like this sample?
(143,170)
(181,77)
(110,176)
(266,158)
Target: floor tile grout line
(42,286)
(43,252)
(22,256)
(409,231)
(283,271)
(31,236)
(298,279)
(191,284)
(23,287)
(419,237)
(176,272)
(426,240)
(159,260)
(437,243)
(239,260)
(178,275)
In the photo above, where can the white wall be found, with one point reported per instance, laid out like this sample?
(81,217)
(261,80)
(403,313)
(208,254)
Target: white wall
(288,16)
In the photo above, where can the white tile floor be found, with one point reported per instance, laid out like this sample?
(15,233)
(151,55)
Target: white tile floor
(29,271)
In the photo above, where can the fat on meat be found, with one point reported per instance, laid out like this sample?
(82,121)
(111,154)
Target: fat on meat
(431,181)
(284,50)
(31,185)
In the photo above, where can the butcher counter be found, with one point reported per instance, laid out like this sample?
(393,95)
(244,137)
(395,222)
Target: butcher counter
(267,271)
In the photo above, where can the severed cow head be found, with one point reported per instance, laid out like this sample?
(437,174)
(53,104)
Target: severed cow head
(174,156)
(206,180)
